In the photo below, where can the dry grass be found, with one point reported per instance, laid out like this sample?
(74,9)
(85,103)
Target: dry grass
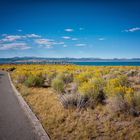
(85,124)
(70,124)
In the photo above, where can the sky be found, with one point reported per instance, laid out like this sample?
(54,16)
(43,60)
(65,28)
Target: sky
(80,28)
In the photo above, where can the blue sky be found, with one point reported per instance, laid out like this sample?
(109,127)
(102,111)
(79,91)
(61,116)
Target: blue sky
(103,28)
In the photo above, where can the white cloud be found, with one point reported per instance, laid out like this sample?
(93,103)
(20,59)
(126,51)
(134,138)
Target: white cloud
(80,45)
(9,46)
(74,39)
(33,36)
(101,39)
(48,43)
(10,38)
(132,29)
(44,41)
(69,30)
(66,37)
(17,41)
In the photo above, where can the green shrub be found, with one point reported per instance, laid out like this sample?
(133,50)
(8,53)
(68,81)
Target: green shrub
(34,81)
(58,85)
(66,77)
(49,77)
(60,76)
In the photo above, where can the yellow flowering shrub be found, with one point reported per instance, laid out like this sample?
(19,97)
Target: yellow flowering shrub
(82,77)
(117,86)
(88,78)
(86,89)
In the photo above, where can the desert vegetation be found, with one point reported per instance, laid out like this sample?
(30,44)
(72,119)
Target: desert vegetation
(82,102)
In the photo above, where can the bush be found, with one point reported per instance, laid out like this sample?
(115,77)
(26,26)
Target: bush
(82,77)
(73,100)
(129,95)
(94,90)
(66,77)
(60,76)
(58,85)
(99,84)
(93,86)
(11,69)
(137,101)
(71,88)
(130,104)
(21,78)
(117,86)
(86,89)
(34,81)
(132,73)
(123,81)
(117,105)
(49,77)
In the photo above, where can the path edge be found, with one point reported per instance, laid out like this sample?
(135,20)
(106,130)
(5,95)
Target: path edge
(39,130)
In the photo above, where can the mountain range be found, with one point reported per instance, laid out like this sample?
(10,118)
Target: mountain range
(64,60)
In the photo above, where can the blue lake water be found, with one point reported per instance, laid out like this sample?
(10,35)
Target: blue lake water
(107,63)
(99,63)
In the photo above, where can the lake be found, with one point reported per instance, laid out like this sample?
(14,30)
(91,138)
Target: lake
(107,63)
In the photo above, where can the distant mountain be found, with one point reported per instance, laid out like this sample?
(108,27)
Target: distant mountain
(62,60)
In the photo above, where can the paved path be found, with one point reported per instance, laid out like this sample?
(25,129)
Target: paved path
(14,124)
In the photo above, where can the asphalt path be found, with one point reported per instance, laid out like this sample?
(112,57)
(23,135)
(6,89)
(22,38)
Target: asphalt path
(14,124)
